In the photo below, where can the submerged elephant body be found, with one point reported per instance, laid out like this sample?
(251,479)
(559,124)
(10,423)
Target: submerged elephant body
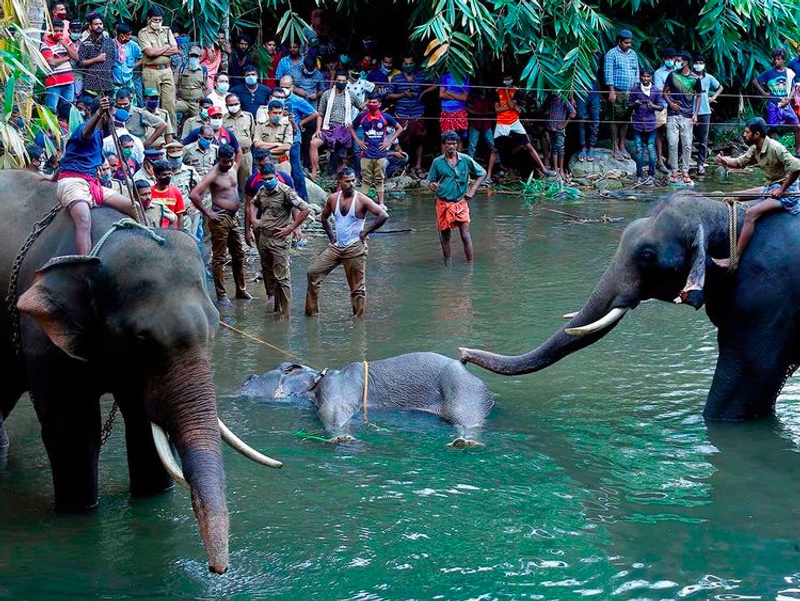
(426,382)
(667,256)
(134,321)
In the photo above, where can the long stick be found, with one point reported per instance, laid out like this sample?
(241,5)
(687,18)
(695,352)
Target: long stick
(132,191)
(732,194)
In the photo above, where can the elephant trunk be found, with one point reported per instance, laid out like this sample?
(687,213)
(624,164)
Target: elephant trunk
(597,311)
(183,402)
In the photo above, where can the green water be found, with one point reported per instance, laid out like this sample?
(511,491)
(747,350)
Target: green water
(599,478)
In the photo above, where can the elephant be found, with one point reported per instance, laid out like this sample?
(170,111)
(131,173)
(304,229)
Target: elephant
(668,256)
(132,319)
(420,381)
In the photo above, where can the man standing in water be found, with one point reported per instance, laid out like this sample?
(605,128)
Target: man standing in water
(449,180)
(225,235)
(781,168)
(348,246)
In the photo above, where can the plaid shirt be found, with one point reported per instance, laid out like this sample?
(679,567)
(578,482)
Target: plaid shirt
(621,69)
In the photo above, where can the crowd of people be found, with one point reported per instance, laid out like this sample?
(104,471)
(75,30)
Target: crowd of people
(195,131)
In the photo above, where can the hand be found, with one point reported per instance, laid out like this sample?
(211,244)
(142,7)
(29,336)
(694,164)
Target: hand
(385,145)
(104,104)
(612,96)
(675,106)
(317,134)
(783,103)
(361,144)
(297,233)
(721,160)
(777,193)
(282,232)
(213,216)
(433,187)
(101,57)
(248,237)
(694,119)
(410,93)
(363,235)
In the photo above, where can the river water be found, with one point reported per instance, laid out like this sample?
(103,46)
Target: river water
(598,479)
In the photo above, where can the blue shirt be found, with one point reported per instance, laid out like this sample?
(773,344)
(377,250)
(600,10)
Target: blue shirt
(450,84)
(300,108)
(123,71)
(776,82)
(83,155)
(316,82)
(255,183)
(252,99)
(409,107)
(287,67)
(710,85)
(621,69)
(375,132)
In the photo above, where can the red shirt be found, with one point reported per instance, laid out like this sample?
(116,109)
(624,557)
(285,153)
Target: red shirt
(62,74)
(171,198)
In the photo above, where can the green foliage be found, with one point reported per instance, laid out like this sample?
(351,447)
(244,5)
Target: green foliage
(549,189)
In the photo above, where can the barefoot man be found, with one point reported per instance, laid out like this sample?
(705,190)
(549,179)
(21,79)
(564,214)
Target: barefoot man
(781,169)
(225,235)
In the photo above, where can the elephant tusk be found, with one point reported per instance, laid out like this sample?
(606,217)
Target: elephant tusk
(610,318)
(242,447)
(570,315)
(164,450)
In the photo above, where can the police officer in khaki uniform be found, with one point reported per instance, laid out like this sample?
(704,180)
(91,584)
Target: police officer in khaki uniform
(191,83)
(276,135)
(185,177)
(151,155)
(243,126)
(202,118)
(201,154)
(158,46)
(151,101)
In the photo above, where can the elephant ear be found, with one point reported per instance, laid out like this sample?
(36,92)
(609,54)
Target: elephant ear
(60,301)
(692,293)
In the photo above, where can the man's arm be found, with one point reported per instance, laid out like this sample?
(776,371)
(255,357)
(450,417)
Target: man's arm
(197,193)
(380,215)
(160,128)
(717,92)
(300,210)
(480,175)
(757,86)
(326,219)
(312,117)
(94,120)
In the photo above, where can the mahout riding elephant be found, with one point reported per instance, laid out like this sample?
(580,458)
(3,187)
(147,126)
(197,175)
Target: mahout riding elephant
(135,321)
(422,381)
(668,256)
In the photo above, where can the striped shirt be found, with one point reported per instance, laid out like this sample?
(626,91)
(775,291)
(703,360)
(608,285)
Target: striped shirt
(621,69)
(62,74)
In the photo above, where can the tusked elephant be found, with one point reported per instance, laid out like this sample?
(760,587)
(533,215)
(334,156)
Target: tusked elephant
(667,256)
(421,381)
(135,321)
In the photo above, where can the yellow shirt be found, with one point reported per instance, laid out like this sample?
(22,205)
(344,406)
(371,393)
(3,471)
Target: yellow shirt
(774,159)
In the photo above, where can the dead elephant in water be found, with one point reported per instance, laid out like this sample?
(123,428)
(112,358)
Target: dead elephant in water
(426,382)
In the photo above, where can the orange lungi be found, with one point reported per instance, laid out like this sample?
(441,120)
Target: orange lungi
(450,214)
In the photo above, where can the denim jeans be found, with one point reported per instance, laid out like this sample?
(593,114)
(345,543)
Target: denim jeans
(679,128)
(588,110)
(474,137)
(703,128)
(53,94)
(645,142)
(297,171)
(557,138)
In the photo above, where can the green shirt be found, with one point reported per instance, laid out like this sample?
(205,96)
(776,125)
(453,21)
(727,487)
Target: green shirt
(454,182)
(774,159)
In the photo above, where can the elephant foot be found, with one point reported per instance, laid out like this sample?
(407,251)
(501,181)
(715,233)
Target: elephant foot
(341,438)
(464,443)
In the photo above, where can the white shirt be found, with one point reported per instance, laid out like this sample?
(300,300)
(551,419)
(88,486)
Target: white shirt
(360,88)
(138,146)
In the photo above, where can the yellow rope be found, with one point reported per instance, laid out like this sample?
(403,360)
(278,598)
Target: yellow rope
(733,230)
(366,389)
(267,344)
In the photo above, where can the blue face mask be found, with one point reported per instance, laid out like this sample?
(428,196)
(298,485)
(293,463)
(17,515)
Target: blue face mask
(385,70)
(152,104)
(275,119)
(175,162)
(203,143)
(105,179)
(250,80)
(271,184)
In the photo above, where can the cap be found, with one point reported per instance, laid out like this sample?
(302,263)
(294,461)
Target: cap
(121,115)
(625,34)
(195,51)
(153,153)
(151,92)
(214,110)
(174,149)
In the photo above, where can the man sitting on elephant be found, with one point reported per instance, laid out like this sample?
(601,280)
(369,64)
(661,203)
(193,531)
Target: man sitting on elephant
(780,167)
(78,189)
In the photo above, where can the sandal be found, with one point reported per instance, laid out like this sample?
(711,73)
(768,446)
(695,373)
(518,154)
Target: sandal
(582,156)
(673,179)
(687,180)
(590,156)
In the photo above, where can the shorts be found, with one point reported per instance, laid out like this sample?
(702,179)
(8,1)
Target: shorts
(780,115)
(790,203)
(414,131)
(74,189)
(501,130)
(451,214)
(661,118)
(454,121)
(619,109)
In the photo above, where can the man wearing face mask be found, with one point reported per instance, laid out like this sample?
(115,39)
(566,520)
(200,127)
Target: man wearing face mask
(669,56)
(311,83)
(127,165)
(711,90)
(222,223)
(348,244)
(199,120)
(152,106)
(158,47)
(381,75)
(191,83)
(165,193)
(406,91)
(140,121)
(682,92)
(60,81)
(276,136)
(121,119)
(243,126)
(151,155)
(251,93)
(128,60)
(292,64)
(222,135)
(221,89)
(96,58)
(201,154)
(275,212)
(58,12)
(106,179)
(332,128)
(301,114)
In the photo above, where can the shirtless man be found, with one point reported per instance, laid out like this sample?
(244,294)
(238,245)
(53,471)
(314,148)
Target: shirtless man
(348,245)
(225,235)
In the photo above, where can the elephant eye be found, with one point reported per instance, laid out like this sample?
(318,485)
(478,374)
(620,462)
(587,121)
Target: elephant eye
(648,255)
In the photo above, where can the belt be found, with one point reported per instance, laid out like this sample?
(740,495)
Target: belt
(159,67)
(281,159)
(230,212)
